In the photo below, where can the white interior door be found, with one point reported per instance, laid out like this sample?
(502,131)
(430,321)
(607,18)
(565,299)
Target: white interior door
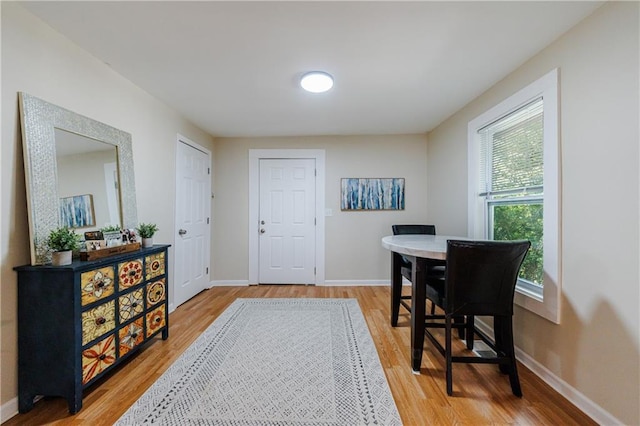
(193,208)
(287,221)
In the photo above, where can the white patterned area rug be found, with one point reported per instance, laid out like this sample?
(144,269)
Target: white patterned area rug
(274,362)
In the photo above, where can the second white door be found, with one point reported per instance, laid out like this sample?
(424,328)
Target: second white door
(193,208)
(287,223)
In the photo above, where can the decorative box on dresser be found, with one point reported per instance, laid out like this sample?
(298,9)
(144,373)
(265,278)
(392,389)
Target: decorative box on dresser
(77,322)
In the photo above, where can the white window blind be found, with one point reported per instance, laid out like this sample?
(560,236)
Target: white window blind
(511,153)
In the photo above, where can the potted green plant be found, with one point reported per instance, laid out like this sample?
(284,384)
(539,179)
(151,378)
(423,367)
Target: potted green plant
(146,232)
(110,228)
(63,241)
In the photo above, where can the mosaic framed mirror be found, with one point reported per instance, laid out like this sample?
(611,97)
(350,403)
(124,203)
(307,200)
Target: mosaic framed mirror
(59,147)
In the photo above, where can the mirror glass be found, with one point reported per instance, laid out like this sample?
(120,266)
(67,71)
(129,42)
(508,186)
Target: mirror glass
(55,171)
(87,182)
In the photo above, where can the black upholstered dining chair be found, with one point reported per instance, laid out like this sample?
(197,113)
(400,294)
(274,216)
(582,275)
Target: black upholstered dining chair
(435,267)
(480,280)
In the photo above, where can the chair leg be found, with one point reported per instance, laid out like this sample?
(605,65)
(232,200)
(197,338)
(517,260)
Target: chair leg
(499,342)
(447,354)
(504,328)
(469,334)
(461,329)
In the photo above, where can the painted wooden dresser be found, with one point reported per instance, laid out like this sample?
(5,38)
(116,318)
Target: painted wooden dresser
(77,322)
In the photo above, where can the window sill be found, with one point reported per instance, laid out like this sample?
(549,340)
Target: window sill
(526,292)
(536,304)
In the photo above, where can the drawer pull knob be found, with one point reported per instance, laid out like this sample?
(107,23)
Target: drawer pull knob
(100,321)
(101,284)
(158,319)
(102,357)
(134,305)
(134,335)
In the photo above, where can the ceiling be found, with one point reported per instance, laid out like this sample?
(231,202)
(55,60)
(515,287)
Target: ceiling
(232,68)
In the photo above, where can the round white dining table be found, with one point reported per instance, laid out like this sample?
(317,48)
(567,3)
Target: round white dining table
(419,245)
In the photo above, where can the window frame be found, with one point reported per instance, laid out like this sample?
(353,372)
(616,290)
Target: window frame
(546,304)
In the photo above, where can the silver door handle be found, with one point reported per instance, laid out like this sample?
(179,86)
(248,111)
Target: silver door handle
(262,231)
(182,231)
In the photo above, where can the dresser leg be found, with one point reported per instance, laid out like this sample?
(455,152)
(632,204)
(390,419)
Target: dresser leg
(75,402)
(25,403)
(165,334)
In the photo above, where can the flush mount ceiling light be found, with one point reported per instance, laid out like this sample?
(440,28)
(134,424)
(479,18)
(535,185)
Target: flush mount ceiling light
(316,81)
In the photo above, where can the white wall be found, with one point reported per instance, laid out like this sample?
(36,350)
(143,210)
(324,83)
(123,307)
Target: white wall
(353,251)
(595,349)
(41,62)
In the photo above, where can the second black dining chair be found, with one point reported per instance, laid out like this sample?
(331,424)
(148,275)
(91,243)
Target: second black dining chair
(480,280)
(435,267)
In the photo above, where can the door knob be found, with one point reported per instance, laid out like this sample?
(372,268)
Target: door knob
(262,231)
(262,222)
(182,231)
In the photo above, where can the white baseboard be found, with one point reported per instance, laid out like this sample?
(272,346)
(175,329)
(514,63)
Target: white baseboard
(8,410)
(229,283)
(577,398)
(349,283)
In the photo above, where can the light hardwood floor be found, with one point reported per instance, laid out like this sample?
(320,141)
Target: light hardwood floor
(481,394)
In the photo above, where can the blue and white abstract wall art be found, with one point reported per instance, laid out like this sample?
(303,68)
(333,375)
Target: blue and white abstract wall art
(372,194)
(77,211)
